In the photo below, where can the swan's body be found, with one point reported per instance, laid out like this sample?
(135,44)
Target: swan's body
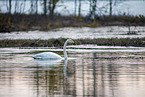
(47,55)
(51,55)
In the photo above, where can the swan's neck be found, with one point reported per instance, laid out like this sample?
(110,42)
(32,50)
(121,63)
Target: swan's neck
(64,50)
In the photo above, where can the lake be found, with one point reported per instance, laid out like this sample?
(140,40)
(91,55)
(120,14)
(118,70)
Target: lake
(91,70)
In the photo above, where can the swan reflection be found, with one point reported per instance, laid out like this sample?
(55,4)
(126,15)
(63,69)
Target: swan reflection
(48,63)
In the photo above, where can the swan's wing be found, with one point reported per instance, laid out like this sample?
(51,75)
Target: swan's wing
(47,55)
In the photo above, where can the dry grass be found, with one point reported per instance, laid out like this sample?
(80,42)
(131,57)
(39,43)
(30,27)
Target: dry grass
(59,42)
(23,22)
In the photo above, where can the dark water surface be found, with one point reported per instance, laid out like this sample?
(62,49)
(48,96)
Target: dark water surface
(98,71)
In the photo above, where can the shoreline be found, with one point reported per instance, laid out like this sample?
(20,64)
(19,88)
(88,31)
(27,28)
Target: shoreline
(136,42)
(24,22)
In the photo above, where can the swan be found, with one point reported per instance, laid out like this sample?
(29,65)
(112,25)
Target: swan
(51,55)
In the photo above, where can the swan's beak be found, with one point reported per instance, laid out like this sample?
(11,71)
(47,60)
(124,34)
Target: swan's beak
(73,42)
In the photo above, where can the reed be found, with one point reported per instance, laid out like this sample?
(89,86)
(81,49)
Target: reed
(139,42)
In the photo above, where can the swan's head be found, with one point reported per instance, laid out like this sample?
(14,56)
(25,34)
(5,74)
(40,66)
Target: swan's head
(70,41)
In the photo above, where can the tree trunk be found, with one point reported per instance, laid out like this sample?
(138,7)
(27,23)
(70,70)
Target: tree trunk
(32,7)
(36,7)
(79,13)
(52,6)
(45,9)
(16,7)
(90,8)
(10,6)
(75,8)
(93,9)
(24,6)
(110,8)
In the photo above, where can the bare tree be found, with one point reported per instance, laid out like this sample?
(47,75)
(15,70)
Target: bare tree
(110,8)
(24,5)
(113,3)
(45,7)
(52,6)
(75,7)
(79,11)
(10,6)
(16,6)
(21,6)
(93,8)
(36,6)
(32,7)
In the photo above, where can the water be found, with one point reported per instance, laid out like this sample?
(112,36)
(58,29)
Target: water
(91,70)
(77,33)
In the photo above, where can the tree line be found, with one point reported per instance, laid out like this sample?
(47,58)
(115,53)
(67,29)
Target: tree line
(49,6)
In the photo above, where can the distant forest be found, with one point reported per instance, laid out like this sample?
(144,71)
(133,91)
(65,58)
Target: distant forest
(49,6)
(24,15)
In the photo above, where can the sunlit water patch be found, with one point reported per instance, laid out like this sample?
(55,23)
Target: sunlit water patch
(91,70)
(77,33)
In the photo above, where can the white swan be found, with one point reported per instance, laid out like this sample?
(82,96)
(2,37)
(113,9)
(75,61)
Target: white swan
(51,55)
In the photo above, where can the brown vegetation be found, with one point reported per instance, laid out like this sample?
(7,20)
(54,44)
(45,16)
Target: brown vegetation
(59,42)
(23,22)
